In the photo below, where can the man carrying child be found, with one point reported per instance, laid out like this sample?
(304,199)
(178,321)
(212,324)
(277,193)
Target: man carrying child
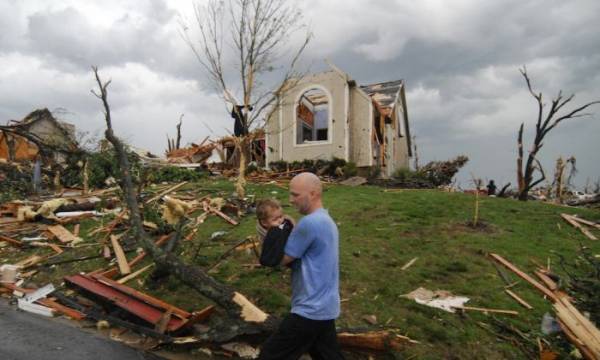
(312,251)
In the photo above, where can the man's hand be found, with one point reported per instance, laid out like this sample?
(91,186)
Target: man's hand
(286,260)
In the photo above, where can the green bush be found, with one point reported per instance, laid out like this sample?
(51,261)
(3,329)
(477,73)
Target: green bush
(350,169)
(172,174)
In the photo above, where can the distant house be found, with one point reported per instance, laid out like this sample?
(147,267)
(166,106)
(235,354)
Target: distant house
(21,138)
(328,114)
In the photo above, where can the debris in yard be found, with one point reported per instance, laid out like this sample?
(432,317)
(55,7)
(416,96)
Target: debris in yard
(8,273)
(371,319)
(524,276)
(244,351)
(486,310)
(120,255)
(580,331)
(575,222)
(374,340)
(143,306)
(354,181)
(63,235)
(408,264)
(518,299)
(174,210)
(440,299)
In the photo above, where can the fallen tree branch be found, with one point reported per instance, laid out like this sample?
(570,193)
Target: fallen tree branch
(192,276)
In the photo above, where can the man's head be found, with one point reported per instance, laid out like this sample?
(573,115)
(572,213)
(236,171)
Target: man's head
(269,213)
(305,192)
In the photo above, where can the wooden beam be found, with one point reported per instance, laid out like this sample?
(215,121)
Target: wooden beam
(586,232)
(221,214)
(486,310)
(169,190)
(585,222)
(524,276)
(408,264)
(120,254)
(518,299)
(11,241)
(134,274)
(62,234)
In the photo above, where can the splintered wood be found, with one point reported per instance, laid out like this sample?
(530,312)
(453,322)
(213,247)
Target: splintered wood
(575,222)
(120,254)
(580,331)
(63,235)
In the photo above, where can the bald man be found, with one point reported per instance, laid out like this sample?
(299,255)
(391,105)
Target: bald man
(312,251)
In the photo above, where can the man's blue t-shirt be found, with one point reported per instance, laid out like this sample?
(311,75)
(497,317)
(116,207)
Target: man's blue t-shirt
(315,278)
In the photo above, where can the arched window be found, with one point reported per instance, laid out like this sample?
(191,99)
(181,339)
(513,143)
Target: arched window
(312,117)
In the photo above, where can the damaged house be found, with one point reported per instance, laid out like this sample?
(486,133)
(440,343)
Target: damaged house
(38,133)
(328,114)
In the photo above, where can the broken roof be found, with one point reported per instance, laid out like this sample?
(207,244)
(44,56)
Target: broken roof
(384,93)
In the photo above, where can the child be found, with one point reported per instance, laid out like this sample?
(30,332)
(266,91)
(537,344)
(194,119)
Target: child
(274,228)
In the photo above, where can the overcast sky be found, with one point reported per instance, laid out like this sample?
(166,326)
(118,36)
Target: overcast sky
(459,59)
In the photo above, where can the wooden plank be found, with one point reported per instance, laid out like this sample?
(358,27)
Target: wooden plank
(62,234)
(169,190)
(135,274)
(518,299)
(221,214)
(586,232)
(587,354)
(250,312)
(550,284)
(11,241)
(486,310)
(30,261)
(524,276)
(585,322)
(120,255)
(408,264)
(580,331)
(112,272)
(585,222)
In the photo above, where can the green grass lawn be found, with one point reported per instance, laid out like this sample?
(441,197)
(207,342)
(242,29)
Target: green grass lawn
(379,233)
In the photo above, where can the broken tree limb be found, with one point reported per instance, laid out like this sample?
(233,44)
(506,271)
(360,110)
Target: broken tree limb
(192,276)
(524,276)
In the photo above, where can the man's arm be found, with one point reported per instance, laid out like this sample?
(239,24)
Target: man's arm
(286,260)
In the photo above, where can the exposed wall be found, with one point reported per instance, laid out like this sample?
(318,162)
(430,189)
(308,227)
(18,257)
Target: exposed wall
(401,153)
(281,127)
(360,128)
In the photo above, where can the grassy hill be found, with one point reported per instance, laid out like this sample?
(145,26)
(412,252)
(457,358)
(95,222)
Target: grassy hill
(380,232)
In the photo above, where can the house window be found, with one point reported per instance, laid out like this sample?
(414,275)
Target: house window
(312,117)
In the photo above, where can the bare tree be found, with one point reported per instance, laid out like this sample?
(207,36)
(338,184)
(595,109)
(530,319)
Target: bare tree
(545,123)
(256,33)
(174,144)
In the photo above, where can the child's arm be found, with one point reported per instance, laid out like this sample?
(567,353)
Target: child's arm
(274,245)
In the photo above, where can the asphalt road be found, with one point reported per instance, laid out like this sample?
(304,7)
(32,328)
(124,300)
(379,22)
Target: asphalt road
(25,336)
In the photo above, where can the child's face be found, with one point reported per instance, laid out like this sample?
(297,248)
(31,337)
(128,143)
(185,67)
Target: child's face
(275,218)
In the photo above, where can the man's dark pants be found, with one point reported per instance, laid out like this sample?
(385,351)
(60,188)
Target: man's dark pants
(298,335)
